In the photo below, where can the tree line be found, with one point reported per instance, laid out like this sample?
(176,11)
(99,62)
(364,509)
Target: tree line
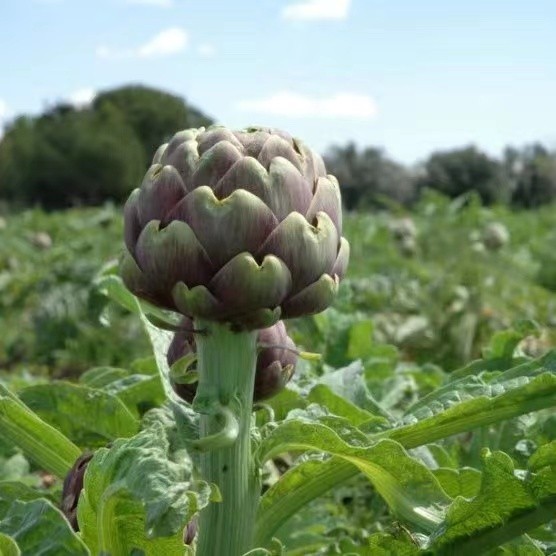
(70,156)
(84,156)
(523,177)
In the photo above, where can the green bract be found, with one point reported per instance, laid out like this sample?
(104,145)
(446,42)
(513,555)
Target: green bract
(235,226)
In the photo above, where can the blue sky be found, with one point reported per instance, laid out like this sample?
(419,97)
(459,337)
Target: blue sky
(411,76)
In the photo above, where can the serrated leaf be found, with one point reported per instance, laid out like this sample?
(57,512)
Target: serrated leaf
(505,507)
(407,486)
(495,402)
(134,494)
(461,482)
(522,396)
(383,544)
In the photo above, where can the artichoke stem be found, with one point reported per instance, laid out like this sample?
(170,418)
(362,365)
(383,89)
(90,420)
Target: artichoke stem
(226,366)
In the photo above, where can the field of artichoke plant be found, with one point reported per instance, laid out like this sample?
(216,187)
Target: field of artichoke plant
(154,401)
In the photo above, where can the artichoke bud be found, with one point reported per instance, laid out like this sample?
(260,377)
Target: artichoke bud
(190,531)
(495,236)
(276,360)
(73,485)
(243,227)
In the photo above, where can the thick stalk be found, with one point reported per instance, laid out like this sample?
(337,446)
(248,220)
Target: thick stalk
(226,365)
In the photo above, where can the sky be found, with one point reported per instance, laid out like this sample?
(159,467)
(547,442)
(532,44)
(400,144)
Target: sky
(410,76)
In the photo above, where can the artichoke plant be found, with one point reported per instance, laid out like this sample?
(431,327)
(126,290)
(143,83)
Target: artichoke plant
(235,230)
(242,227)
(276,360)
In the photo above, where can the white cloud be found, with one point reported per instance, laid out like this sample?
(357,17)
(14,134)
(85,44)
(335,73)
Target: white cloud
(167,42)
(317,9)
(82,97)
(170,41)
(206,50)
(295,105)
(155,3)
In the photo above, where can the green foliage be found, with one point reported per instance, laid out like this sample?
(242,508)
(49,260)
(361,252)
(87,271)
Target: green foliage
(533,171)
(368,177)
(68,157)
(427,427)
(153,115)
(85,156)
(53,320)
(462,171)
(38,527)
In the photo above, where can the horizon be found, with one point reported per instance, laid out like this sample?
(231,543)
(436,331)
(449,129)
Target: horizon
(419,79)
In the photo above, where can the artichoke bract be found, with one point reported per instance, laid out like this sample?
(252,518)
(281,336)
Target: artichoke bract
(243,227)
(73,485)
(276,360)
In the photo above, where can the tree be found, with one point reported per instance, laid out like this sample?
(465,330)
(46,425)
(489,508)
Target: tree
(460,171)
(367,177)
(533,172)
(68,156)
(153,115)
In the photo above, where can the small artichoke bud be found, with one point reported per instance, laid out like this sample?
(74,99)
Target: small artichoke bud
(403,228)
(73,485)
(190,531)
(495,236)
(275,362)
(242,227)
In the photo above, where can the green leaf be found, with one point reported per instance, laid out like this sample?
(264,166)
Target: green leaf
(11,491)
(504,342)
(14,468)
(338,405)
(132,388)
(407,486)
(383,544)
(136,391)
(88,416)
(310,480)
(112,286)
(522,546)
(160,339)
(349,383)
(40,528)
(98,377)
(136,497)
(42,443)
(8,547)
(360,340)
(495,402)
(462,482)
(505,507)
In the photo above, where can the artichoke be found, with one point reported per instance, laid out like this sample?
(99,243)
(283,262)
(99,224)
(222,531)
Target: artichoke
(495,236)
(275,365)
(73,485)
(242,227)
